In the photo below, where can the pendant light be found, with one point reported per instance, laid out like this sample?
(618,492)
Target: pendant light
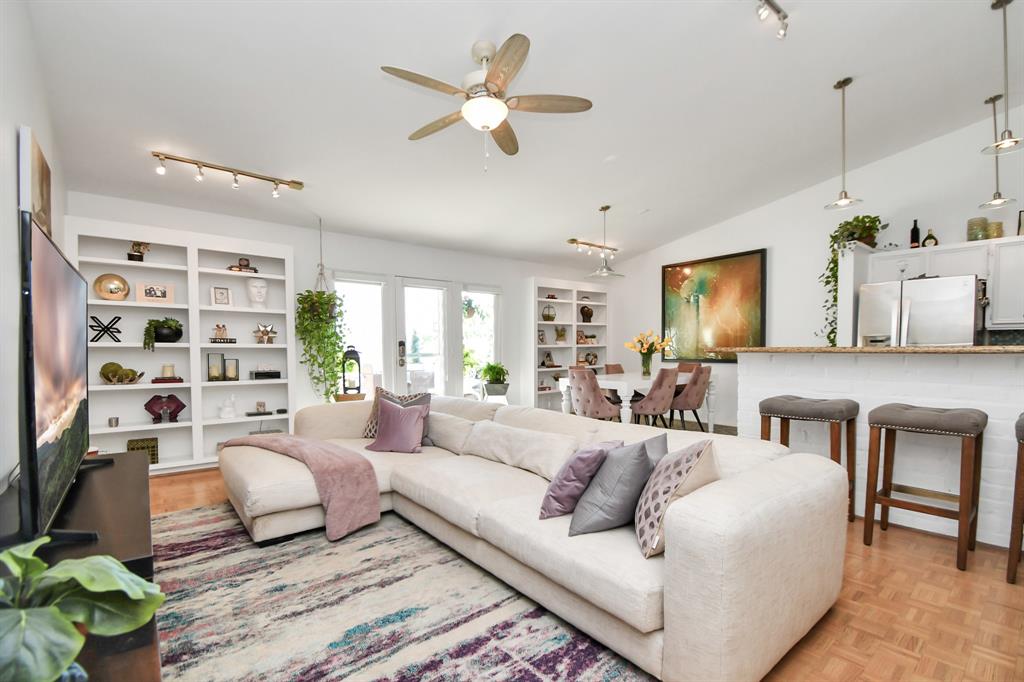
(844,200)
(997,200)
(1005,143)
(604,270)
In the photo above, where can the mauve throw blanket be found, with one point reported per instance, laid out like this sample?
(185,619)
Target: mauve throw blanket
(344,479)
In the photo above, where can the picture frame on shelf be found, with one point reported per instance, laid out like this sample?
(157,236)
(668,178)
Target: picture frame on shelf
(154,292)
(220,296)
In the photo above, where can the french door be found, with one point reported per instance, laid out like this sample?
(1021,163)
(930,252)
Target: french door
(424,336)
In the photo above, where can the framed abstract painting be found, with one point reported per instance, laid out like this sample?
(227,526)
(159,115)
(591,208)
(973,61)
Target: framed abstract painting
(714,303)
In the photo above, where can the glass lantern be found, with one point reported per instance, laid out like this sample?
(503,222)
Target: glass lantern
(351,380)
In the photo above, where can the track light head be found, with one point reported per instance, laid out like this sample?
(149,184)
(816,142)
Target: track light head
(234,181)
(199,176)
(275,193)
(763,12)
(783,30)
(162,168)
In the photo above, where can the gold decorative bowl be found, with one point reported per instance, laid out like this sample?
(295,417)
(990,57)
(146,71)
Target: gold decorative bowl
(111,287)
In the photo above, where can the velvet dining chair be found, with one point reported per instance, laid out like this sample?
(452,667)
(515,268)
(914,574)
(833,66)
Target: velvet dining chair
(691,397)
(610,393)
(658,400)
(587,399)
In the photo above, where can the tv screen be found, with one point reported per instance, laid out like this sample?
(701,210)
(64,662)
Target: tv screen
(55,366)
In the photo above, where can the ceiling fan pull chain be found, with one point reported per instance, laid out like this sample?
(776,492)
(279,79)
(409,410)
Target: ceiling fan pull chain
(487,154)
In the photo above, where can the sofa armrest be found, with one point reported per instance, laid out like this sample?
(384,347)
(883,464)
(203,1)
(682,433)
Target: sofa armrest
(752,562)
(334,420)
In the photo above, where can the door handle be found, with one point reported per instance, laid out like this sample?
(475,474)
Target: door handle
(401,353)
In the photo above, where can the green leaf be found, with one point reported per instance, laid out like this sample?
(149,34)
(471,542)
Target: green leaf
(100,573)
(20,559)
(36,645)
(109,613)
(8,591)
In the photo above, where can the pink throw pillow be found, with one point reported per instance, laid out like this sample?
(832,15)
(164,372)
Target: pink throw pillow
(400,428)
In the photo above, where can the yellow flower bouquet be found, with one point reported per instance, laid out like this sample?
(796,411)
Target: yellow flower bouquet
(647,344)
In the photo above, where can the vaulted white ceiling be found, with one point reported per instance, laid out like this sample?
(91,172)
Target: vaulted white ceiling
(700,113)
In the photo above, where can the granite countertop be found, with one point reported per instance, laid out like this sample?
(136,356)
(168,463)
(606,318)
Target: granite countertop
(924,350)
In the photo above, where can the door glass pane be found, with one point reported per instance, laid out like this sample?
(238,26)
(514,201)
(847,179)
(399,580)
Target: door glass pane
(363,308)
(424,337)
(478,337)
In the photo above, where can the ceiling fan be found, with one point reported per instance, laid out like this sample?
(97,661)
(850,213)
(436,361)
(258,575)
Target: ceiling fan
(487,104)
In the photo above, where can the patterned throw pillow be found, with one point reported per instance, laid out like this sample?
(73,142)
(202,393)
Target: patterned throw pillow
(373,423)
(677,474)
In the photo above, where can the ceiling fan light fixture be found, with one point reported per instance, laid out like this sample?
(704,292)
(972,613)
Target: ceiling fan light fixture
(484,112)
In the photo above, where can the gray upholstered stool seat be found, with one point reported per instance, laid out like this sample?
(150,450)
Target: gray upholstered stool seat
(944,421)
(811,409)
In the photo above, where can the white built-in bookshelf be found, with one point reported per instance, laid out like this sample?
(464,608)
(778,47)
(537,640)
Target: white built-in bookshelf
(192,263)
(569,298)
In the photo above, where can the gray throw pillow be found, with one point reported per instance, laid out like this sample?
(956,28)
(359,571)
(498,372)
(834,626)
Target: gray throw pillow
(610,499)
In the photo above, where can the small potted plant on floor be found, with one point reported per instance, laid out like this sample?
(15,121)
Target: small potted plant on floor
(167,330)
(495,377)
(44,610)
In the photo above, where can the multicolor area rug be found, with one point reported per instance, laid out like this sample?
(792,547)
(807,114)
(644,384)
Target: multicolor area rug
(386,603)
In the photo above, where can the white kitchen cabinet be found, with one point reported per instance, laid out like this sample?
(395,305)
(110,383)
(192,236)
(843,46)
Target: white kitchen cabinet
(888,267)
(1006,286)
(962,259)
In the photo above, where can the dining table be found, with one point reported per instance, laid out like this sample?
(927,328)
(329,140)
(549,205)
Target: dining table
(625,384)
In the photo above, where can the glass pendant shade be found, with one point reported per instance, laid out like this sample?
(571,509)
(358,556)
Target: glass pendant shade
(844,201)
(997,201)
(605,271)
(1006,144)
(484,113)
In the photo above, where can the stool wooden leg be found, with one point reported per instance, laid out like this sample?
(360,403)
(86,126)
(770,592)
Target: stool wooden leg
(872,483)
(1017,520)
(835,442)
(966,500)
(784,431)
(890,452)
(976,491)
(851,461)
(766,427)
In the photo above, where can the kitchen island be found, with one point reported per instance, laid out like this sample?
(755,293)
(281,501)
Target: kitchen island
(988,378)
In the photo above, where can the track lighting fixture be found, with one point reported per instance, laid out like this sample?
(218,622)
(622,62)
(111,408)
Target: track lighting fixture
(844,200)
(766,8)
(202,166)
(605,252)
(1005,142)
(997,200)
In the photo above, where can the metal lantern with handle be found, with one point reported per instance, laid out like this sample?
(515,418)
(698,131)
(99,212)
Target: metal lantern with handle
(351,382)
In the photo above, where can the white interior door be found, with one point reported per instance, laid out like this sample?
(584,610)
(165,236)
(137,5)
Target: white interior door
(424,336)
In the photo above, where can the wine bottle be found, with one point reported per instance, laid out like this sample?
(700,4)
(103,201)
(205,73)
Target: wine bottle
(915,236)
(930,239)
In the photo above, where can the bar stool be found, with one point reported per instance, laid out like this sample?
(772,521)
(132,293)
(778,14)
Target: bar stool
(835,412)
(1017,520)
(966,424)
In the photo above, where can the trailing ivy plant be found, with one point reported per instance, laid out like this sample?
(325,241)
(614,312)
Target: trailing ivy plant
(318,324)
(862,228)
(149,333)
(41,605)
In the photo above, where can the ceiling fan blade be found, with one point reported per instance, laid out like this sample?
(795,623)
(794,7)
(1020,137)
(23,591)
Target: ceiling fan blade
(507,62)
(425,81)
(549,104)
(435,126)
(506,138)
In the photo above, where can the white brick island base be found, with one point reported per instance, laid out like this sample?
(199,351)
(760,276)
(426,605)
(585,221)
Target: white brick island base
(986,379)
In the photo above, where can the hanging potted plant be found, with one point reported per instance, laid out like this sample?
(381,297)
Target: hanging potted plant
(470,309)
(495,376)
(863,229)
(318,324)
(167,330)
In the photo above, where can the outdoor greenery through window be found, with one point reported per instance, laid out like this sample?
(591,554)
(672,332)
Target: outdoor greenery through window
(479,324)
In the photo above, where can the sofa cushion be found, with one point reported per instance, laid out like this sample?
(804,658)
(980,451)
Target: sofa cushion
(473,410)
(605,568)
(384,463)
(399,429)
(449,432)
(572,479)
(542,453)
(456,488)
(548,421)
(383,395)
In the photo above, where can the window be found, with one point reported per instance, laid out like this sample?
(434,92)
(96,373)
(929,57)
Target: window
(479,336)
(363,308)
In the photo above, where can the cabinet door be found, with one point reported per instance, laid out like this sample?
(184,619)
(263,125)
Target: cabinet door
(896,266)
(959,260)
(1006,286)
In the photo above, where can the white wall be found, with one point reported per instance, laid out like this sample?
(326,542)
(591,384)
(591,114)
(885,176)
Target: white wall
(940,183)
(344,252)
(22,102)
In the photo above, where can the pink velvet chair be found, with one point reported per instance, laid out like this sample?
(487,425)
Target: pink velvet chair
(613,396)
(658,400)
(587,399)
(691,397)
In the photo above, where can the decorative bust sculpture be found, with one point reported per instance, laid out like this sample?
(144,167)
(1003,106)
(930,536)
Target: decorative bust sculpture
(257,290)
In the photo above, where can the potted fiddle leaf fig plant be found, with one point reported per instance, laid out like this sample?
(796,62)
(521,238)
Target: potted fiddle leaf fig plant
(495,376)
(318,324)
(44,610)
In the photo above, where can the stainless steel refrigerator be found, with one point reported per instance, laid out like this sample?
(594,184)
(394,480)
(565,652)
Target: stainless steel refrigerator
(928,311)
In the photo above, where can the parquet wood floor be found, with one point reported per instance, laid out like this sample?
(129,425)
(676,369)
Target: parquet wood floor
(905,611)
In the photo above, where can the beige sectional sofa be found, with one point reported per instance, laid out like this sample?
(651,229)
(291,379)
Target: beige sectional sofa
(752,560)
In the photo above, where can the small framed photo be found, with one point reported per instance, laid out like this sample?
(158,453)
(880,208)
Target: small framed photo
(149,292)
(220,296)
(215,366)
(231,369)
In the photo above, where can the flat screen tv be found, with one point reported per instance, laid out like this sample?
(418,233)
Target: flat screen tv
(54,405)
